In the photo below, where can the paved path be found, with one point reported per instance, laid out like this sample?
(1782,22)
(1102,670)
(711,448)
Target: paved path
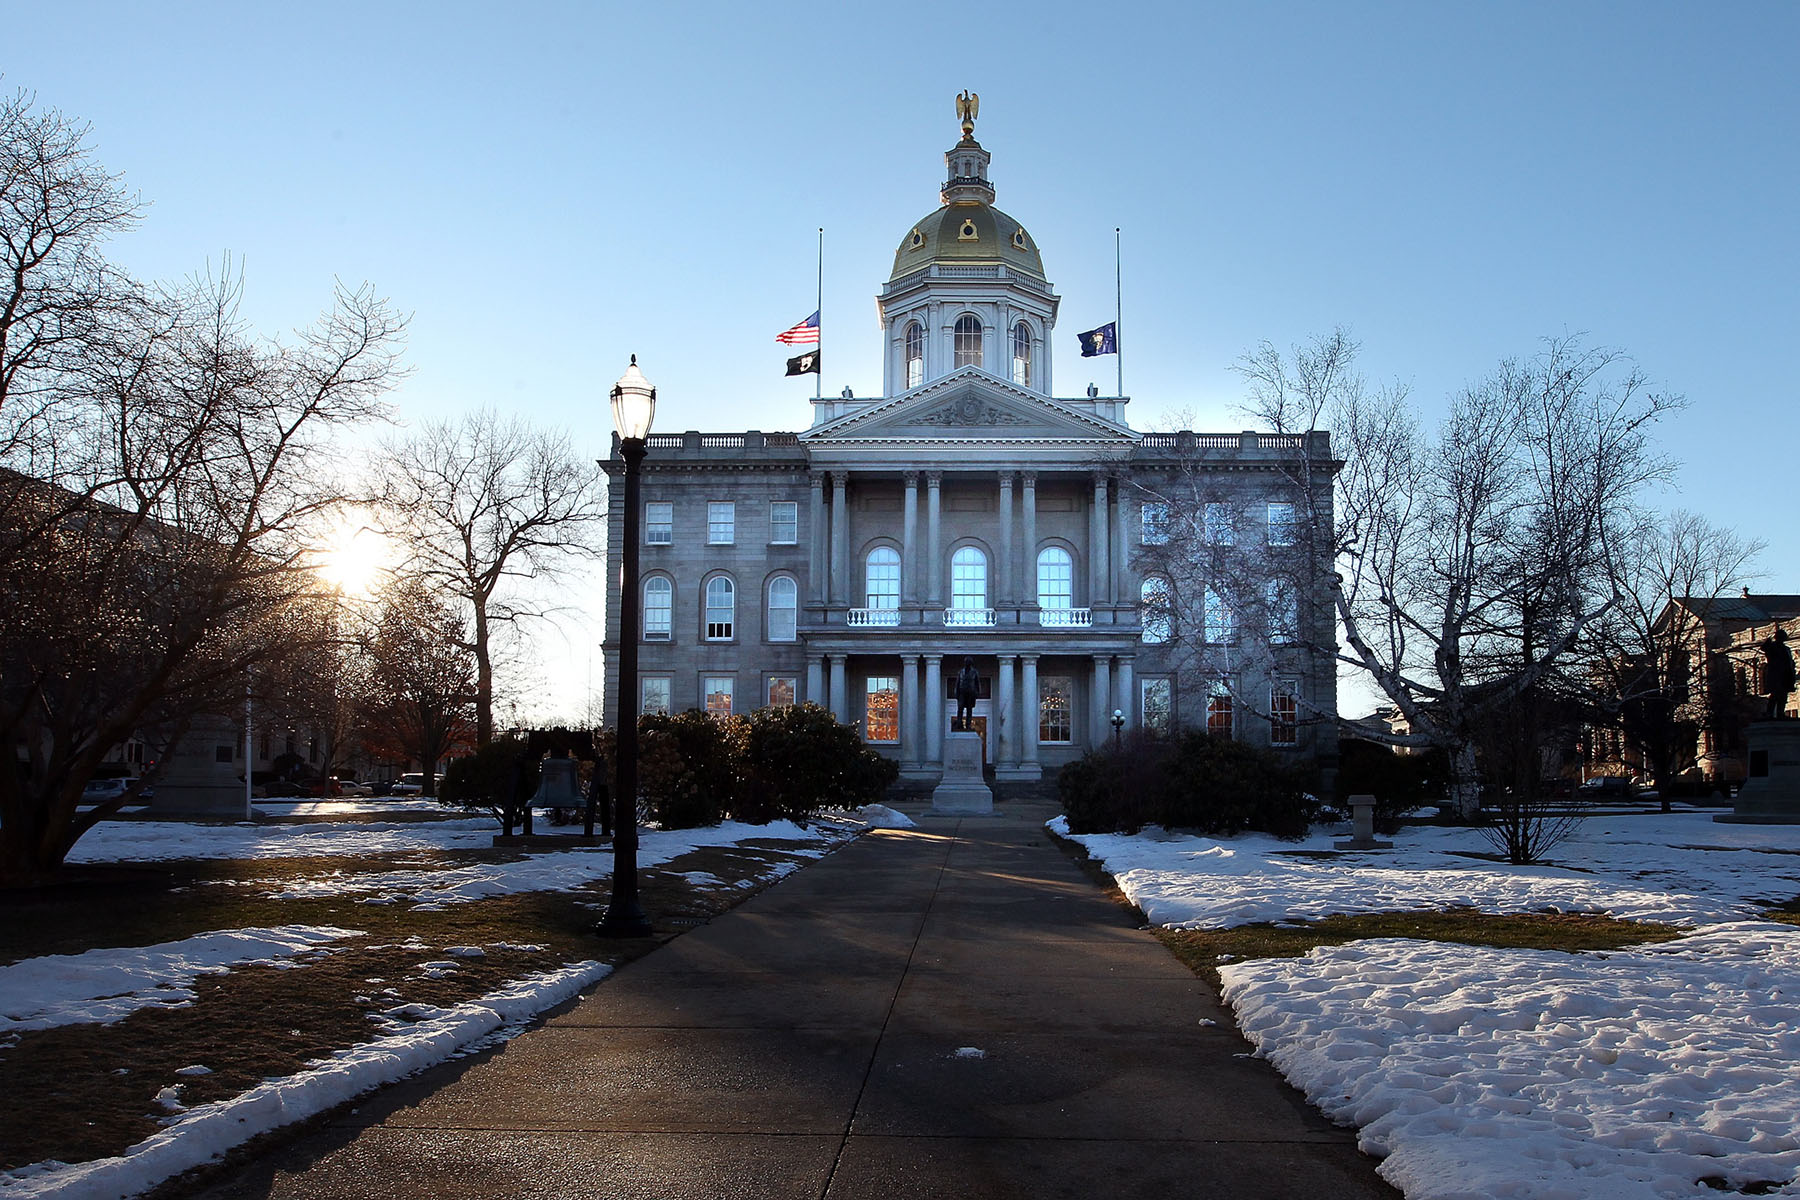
(952,1011)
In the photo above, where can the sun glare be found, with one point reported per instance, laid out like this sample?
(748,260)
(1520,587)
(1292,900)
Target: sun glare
(353,559)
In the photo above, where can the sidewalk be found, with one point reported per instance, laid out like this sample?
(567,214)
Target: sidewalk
(951,1011)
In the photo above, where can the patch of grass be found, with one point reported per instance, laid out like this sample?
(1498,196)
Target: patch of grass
(1200,949)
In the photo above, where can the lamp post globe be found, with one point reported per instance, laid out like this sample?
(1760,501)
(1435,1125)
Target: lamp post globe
(1118,724)
(633,407)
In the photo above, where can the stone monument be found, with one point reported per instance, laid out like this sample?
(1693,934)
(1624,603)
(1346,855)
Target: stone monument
(963,792)
(1362,827)
(1771,791)
(201,774)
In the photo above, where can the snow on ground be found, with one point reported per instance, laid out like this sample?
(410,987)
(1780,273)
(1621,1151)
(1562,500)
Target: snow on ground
(1656,1071)
(103,986)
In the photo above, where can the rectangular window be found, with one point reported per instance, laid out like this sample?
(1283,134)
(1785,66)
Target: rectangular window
(882,711)
(784,522)
(721,523)
(1217,619)
(659,523)
(1217,526)
(1284,713)
(1284,526)
(717,690)
(1284,613)
(654,694)
(1156,701)
(1055,699)
(1156,525)
(1218,708)
(224,754)
(782,689)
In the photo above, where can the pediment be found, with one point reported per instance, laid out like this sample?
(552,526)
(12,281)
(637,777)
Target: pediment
(968,406)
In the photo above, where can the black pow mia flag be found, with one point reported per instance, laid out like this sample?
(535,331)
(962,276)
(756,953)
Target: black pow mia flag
(804,364)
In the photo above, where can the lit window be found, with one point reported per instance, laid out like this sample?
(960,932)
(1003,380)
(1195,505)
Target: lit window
(1054,694)
(1284,613)
(968,580)
(717,690)
(1021,358)
(1155,529)
(782,689)
(915,355)
(882,720)
(1221,625)
(721,608)
(881,578)
(1284,713)
(659,608)
(1156,700)
(1218,708)
(721,523)
(968,341)
(1218,526)
(784,522)
(655,694)
(659,523)
(1156,609)
(784,597)
(1056,579)
(1284,528)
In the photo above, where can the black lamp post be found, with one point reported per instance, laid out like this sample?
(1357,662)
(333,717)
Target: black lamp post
(1118,724)
(633,406)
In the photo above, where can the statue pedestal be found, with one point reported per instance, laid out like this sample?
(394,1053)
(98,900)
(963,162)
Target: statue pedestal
(963,792)
(1771,791)
(200,775)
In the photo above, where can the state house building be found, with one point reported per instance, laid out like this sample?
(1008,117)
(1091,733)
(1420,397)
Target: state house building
(968,512)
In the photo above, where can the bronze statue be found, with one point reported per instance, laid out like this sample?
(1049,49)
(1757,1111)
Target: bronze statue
(968,107)
(1778,673)
(968,687)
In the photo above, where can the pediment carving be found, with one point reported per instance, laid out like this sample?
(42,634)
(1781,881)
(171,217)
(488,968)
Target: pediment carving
(966,411)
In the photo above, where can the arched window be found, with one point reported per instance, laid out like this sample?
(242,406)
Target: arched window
(1056,579)
(881,578)
(968,341)
(721,608)
(968,580)
(1022,354)
(1155,610)
(659,608)
(915,354)
(784,607)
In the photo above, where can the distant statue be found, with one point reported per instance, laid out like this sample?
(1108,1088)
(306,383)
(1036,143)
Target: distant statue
(968,108)
(968,687)
(1778,673)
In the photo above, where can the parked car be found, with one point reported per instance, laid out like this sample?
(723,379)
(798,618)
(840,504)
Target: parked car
(97,790)
(410,784)
(1606,787)
(326,786)
(350,787)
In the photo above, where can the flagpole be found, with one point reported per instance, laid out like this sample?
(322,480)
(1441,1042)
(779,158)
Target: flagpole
(819,376)
(1118,305)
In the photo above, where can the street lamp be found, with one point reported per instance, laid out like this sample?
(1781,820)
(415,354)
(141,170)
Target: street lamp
(1118,723)
(633,405)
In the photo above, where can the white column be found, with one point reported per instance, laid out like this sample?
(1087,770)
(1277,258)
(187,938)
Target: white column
(909,543)
(1006,750)
(840,693)
(815,584)
(1097,526)
(909,710)
(1100,726)
(1028,702)
(934,567)
(1127,702)
(1006,596)
(1122,592)
(1029,589)
(815,680)
(933,708)
(840,539)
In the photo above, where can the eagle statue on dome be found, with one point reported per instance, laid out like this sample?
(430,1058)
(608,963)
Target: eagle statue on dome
(968,107)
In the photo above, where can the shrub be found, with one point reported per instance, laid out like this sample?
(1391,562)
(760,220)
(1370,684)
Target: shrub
(1399,782)
(1107,792)
(685,768)
(799,759)
(501,777)
(1220,786)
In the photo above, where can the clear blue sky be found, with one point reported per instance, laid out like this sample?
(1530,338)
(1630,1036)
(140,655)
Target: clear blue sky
(549,188)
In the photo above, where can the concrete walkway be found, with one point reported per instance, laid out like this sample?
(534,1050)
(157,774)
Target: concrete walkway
(952,1011)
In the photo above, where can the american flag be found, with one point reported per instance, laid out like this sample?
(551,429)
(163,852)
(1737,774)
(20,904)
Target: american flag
(803,334)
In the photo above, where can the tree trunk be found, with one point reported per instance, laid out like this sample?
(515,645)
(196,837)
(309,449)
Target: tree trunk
(484,681)
(1465,783)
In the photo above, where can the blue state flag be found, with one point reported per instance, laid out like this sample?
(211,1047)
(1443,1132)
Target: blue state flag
(1104,340)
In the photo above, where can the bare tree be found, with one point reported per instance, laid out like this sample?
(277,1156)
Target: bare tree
(483,505)
(420,686)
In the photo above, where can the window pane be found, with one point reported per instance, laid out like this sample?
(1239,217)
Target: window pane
(1218,708)
(1056,579)
(721,608)
(784,522)
(968,342)
(881,578)
(883,709)
(781,690)
(721,523)
(1283,526)
(1054,692)
(784,596)
(1219,529)
(1284,714)
(1157,702)
(968,579)
(1284,613)
(659,523)
(915,355)
(659,605)
(1220,625)
(655,695)
(1156,524)
(1155,610)
(1021,355)
(718,695)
